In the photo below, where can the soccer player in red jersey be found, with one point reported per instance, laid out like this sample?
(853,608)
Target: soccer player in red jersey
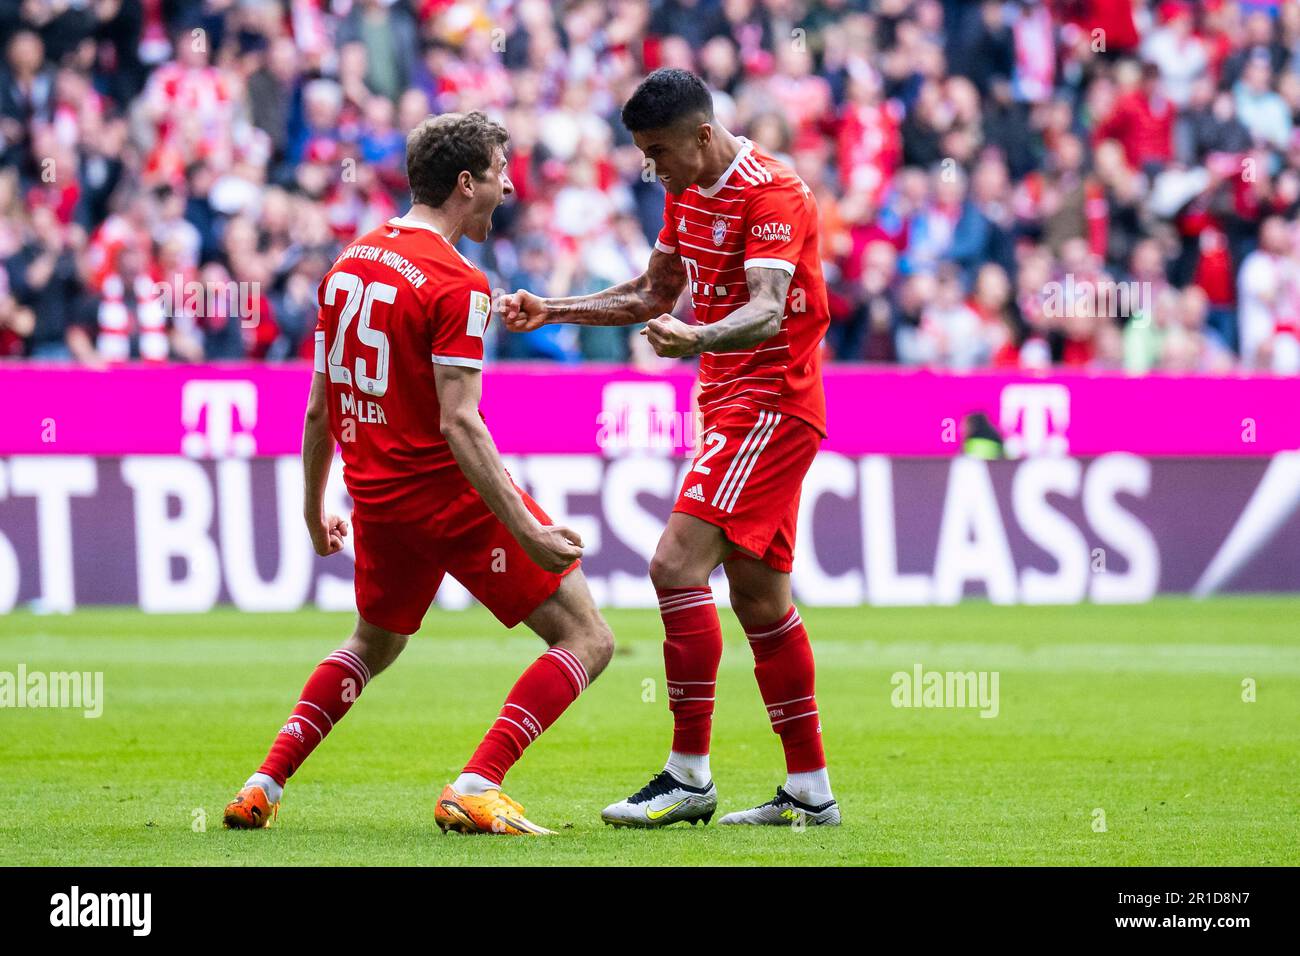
(399,358)
(740,230)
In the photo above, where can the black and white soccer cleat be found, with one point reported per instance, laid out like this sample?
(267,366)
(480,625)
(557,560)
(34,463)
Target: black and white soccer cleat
(784,810)
(663,801)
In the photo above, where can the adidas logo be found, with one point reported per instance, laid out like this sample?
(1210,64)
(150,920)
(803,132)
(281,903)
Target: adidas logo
(695,492)
(293,729)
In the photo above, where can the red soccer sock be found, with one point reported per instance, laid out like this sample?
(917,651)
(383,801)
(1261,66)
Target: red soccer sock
(692,652)
(783,665)
(542,693)
(330,692)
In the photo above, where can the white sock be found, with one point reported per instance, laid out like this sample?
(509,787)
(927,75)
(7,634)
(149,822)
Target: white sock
(692,769)
(272,789)
(473,784)
(813,787)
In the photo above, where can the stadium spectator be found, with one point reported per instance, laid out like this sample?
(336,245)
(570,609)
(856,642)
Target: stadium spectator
(1269,295)
(1177,52)
(42,278)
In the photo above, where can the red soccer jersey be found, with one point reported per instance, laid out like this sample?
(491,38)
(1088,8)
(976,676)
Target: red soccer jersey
(758,214)
(397,301)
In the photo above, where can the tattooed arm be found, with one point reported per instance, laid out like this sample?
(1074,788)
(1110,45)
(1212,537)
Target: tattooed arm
(756,321)
(652,293)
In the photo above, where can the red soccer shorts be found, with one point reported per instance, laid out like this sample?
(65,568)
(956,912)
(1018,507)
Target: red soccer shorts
(746,480)
(400,565)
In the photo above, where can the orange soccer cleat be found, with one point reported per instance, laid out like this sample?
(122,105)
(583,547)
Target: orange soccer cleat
(489,812)
(250,810)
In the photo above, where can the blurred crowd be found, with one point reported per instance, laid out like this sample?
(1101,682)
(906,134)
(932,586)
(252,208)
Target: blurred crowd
(177,175)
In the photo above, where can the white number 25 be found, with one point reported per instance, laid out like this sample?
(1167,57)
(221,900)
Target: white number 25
(360,298)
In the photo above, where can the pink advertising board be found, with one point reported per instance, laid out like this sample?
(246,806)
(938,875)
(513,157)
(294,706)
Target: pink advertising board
(248,410)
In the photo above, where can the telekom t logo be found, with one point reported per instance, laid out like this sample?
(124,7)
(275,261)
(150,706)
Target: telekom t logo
(219,404)
(1034,419)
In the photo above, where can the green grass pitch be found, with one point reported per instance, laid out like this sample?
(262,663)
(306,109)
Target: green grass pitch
(1136,712)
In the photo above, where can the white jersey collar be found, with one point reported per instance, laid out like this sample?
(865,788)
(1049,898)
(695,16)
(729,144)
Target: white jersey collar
(412,223)
(745,147)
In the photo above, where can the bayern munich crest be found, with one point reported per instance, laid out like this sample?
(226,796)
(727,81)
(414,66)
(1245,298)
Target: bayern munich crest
(719,231)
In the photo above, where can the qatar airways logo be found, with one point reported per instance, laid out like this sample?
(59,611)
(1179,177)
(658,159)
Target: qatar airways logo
(219,417)
(771,232)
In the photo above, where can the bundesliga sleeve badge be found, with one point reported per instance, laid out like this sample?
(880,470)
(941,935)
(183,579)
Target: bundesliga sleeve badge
(479,307)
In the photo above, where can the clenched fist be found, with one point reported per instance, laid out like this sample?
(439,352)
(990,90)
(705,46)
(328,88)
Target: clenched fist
(553,547)
(522,311)
(672,338)
(327,533)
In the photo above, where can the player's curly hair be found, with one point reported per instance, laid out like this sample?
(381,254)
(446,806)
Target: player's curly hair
(439,149)
(664,97)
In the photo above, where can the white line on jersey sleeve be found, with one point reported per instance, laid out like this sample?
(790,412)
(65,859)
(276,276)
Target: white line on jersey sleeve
(666,250)
(457,360)
(770,264)
(318,362)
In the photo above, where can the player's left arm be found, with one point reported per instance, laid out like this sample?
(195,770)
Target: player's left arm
(756,321)
(327,531)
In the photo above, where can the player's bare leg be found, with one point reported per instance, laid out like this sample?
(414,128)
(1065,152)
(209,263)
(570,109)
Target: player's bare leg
(580,645)
(687,553)
(783,666)
(329,693)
